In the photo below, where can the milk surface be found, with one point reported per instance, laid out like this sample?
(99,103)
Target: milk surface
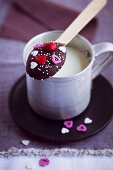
(75,62)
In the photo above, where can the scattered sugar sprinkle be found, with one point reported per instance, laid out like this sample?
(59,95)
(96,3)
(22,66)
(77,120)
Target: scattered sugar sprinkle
(39,69)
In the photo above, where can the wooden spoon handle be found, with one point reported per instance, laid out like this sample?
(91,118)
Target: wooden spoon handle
(76,26)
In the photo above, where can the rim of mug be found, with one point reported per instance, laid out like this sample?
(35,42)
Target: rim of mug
(60,31)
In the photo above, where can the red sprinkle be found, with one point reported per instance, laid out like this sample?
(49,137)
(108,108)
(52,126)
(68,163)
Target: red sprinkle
(40,59)
(44,162)
(50,46)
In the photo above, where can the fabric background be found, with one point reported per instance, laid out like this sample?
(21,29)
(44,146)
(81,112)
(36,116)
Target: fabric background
(26,19)
(11,68)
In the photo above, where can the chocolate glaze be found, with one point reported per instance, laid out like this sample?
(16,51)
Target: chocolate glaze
(44,71)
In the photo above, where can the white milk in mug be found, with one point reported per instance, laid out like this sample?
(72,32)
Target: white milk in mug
(75,62)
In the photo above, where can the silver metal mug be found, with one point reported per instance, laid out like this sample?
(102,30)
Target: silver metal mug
(65,97)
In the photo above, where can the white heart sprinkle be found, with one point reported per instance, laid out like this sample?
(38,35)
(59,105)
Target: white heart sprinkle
(33,65)
(34,53)
(63,49)
(25,142)
(29,165)
(87,120)
(64,130)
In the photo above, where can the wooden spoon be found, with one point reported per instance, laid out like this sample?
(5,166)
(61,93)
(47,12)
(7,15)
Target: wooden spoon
(81,21)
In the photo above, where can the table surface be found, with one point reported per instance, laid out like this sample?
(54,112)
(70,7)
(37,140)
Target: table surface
(104,33)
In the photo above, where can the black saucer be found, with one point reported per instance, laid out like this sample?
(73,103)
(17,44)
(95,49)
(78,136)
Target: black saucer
(100,110)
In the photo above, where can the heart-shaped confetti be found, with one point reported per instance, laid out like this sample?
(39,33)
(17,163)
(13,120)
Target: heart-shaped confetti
(38,46)
(68,124)
(81,128)
(25,142)
(88,120)
(34,53)
(64,130)
(33,65)
(40,59)
(62,49)
(50,46)
(55,59)
(29,166)
(44,162)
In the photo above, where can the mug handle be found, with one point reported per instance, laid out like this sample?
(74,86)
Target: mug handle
(100,49)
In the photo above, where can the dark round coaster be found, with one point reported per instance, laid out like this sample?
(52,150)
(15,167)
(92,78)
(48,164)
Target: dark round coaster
(100,110)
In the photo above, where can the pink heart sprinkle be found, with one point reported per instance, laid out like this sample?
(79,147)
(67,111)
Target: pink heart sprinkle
(81,128)
(44,162)
(55,59)
(38,46)
(68,124)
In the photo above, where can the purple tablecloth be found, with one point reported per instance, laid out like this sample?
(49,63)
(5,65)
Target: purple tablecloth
(11,68)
